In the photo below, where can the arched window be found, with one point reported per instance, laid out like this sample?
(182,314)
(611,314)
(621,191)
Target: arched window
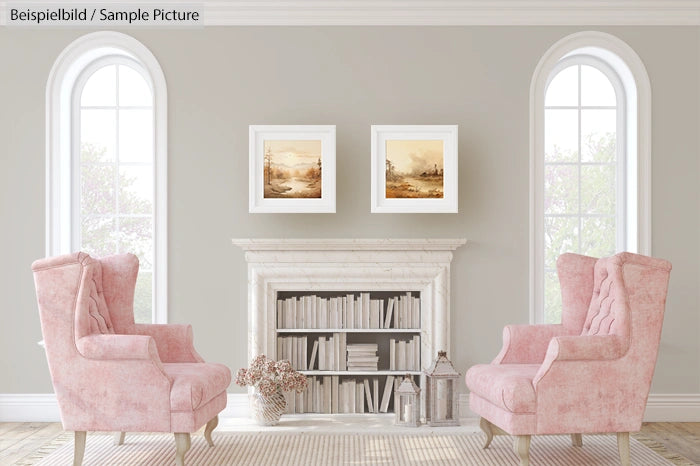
(590,184)
(106,159)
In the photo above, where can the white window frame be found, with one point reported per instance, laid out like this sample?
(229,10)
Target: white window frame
(61,142)
(635,139)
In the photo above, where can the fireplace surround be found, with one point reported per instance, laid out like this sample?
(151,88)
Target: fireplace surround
(422,265)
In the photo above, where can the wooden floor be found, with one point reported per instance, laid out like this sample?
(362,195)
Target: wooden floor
(682,438)
(18,440)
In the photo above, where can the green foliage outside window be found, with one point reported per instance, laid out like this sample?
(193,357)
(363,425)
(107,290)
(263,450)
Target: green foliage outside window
(115,219)
(580,209)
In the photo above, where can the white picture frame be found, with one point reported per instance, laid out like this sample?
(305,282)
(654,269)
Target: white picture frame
(286,163)
(416,181)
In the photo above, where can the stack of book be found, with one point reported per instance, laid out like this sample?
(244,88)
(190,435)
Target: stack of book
(332,394)
(362,357)
(350,311)
(404,355)
(293,348)
(330,352)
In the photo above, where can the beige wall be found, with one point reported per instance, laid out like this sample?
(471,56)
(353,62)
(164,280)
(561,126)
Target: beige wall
(220,80)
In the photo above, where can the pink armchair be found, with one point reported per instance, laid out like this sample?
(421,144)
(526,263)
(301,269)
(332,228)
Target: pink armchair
(589,374)
(111,374)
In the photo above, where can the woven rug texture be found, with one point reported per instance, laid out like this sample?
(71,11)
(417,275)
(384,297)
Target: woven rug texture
(305,449)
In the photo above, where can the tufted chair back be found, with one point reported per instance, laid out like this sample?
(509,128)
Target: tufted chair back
(91,312)
(608,312)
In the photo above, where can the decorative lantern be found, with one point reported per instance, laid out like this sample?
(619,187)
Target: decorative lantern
(407,403)
(441,397)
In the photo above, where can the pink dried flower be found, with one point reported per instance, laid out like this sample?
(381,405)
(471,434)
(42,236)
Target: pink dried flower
(269,376)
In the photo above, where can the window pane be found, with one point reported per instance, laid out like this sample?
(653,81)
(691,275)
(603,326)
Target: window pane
(98,235)
(100,88)
(133,89)
(136,136)
(143,296)
(135,189)
(563,88)
(596,88)
(598,236)
(97,188)
(561,189)
(136,237)
(560,236)
(598,135)
(598,189)
(552,298)
(98,128)
(560,135)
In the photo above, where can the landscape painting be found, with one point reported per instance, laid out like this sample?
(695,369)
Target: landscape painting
(415,169)
(292,169)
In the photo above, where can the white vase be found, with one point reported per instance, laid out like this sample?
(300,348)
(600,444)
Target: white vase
(267,410)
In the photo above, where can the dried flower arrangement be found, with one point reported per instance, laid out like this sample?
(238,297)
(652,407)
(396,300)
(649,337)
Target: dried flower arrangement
(269,376)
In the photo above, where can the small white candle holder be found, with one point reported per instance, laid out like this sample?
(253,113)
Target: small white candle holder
(406,403)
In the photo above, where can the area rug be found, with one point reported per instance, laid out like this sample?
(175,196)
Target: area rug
(305,449)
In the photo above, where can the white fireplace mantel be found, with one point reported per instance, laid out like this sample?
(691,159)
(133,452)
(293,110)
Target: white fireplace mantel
(349,265)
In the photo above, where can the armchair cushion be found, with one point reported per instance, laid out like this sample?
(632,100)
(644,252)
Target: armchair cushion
(508,386)
(195,384)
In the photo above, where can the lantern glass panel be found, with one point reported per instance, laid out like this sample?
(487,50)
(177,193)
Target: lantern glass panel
(444,397)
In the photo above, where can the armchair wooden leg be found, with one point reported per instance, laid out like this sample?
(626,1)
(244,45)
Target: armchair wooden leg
(119,438)
(79,448)
(623,446)
(487,428)
(576,440)
(521,445)
(211,425)
(182,444)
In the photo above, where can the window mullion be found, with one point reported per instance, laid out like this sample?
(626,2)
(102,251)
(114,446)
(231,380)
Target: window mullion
(117,223)
(580,219)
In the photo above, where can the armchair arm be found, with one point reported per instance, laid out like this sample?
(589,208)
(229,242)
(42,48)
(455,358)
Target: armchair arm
(175,342)
(584,349)
(117,347)
(526,344)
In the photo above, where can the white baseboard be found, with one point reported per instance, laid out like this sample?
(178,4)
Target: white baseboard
(237,405)
(34,407)
(673,408)
(42,407)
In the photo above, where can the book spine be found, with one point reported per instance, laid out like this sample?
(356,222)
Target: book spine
(334,394)
(368,396)
(375,394)
(416,353)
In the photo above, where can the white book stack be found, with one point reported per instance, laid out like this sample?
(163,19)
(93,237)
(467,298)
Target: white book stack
(334,394)
(362,357)
(330,353)
(404,355)
(294,349)
(348,312)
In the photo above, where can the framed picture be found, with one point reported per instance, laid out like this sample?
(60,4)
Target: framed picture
(414,168)
(292,168)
